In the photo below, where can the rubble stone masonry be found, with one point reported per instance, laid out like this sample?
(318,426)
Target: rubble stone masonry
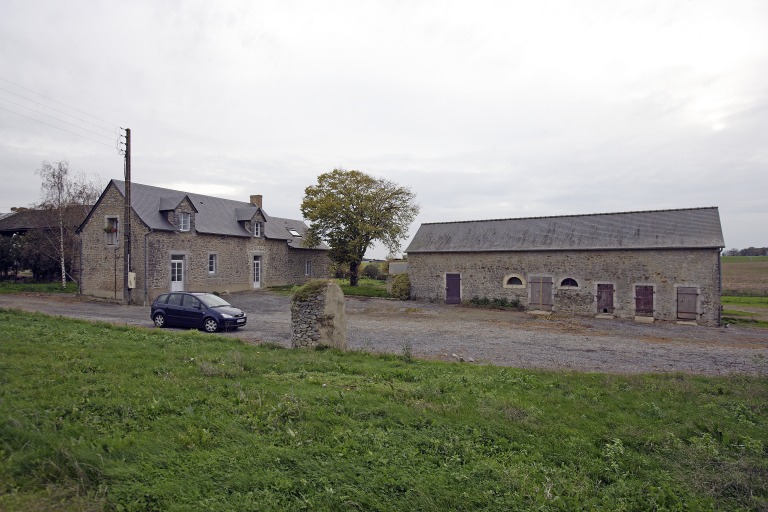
(487,274)
(102,263)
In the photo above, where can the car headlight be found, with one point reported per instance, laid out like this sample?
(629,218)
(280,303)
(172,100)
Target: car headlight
(225,315)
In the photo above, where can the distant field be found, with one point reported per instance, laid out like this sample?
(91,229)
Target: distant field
(745,275)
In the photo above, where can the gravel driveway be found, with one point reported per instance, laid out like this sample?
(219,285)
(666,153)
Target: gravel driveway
(439,331)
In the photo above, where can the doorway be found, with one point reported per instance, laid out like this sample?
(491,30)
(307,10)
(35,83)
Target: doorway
(605,298)
(453,288)
(687,303)
(177,273)
(541,293)
(644,300)
(256,272)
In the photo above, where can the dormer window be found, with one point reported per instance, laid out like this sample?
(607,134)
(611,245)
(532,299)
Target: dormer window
(184,221)
(257,229)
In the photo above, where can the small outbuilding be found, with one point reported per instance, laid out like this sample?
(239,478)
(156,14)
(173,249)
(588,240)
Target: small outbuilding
(647,265)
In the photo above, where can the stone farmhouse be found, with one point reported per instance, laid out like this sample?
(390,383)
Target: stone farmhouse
(644,265)
(186,241)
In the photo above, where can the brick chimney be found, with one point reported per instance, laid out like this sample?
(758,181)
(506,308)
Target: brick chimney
(256,200)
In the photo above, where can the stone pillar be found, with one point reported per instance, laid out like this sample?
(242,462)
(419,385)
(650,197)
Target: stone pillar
(318,316)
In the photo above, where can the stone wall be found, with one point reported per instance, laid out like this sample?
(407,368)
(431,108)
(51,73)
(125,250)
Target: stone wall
(318,316)
(488,275)
(102,264)
(103,268)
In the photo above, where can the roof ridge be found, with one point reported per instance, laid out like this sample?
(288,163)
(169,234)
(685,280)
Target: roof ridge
(571,216)
(183,192)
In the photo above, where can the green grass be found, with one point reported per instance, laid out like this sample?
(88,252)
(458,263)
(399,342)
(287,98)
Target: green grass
(743,259)
(9,287)
(101,417)
(745,311)
(365,288)
(760,302)
(743,319)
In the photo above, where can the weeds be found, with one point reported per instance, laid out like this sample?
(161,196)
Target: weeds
(163,420)
(407,352)
(498,303)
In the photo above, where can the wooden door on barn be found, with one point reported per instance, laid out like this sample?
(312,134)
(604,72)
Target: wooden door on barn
(644,300)
(541,293)
(453,288)
(605,298)
(687,301)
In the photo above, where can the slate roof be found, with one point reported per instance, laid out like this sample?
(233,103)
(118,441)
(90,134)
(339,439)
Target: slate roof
(659,229)
(214,215)
(29,219)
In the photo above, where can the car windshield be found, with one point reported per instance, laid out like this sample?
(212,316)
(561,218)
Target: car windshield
(213,301)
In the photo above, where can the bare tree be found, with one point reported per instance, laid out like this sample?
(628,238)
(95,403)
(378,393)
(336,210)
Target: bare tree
(61,195)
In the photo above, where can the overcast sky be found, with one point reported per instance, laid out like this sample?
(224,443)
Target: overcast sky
(484,109)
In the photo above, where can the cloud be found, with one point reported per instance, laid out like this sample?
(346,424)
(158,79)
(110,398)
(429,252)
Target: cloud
(485,109)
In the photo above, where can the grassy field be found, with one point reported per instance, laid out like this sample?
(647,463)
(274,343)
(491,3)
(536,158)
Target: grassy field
(745,311)
(366,288)
(745,275)
(10,287)
(101,417)
(745,290)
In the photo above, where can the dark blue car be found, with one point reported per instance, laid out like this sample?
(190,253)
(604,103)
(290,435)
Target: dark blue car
(199,310)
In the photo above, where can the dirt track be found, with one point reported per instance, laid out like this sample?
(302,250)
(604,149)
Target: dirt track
(439,331)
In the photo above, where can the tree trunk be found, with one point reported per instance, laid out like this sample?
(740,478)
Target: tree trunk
(354,266)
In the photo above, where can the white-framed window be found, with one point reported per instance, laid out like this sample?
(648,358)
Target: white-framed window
(212,262)
(308,268)
(112,230)
(257,229)
(184,221)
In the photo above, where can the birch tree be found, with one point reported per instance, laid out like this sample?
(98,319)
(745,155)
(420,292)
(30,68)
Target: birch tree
(60,194)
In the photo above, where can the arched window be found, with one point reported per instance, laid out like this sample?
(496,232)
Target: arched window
(568,282)
(513,281)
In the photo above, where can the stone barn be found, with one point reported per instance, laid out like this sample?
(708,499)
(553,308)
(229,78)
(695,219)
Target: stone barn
(185,241)
(646,265)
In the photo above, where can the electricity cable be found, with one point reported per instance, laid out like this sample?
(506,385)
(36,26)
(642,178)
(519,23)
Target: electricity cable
(57,127)
(56,110)
(110,137)
(60,103)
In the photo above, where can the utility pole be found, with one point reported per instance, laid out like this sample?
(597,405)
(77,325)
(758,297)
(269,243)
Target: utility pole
(127,220)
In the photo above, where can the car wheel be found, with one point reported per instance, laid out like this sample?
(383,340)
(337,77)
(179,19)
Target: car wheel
(210,325)
(159,320)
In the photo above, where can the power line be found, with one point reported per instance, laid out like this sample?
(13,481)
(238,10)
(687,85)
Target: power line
(60,103)
(59,128)
(55,109)
(59,120)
